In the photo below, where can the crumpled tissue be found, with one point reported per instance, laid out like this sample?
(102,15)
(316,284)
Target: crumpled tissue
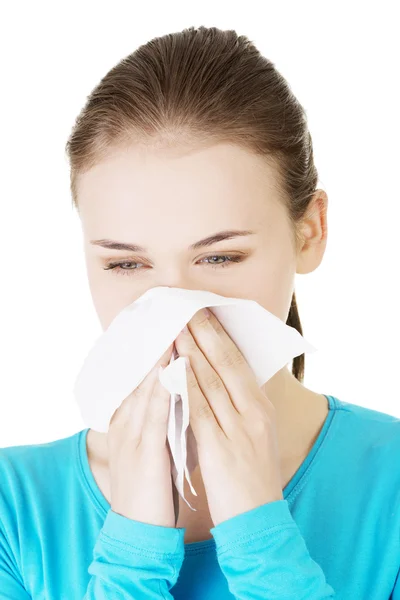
(140,334)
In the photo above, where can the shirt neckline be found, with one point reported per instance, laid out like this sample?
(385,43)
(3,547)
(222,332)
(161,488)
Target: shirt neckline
(102,505)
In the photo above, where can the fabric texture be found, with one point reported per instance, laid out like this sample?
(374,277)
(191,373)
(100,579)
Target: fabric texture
(335,534)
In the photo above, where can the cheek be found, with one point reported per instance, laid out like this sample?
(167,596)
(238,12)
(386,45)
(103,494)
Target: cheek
(107,297)
(110,297)
(271,285)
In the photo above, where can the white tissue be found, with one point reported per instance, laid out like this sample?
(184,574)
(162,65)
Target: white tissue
(141,333)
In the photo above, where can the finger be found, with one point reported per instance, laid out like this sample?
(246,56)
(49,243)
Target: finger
(227,361)
(202,419)
(155,424)
(209,383)
(130,414)
(133,408)
(141,396)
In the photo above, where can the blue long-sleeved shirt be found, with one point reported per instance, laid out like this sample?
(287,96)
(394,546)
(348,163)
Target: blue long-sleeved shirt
(335,534)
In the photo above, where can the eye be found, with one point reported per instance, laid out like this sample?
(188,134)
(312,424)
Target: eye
(229,259)
(120,268)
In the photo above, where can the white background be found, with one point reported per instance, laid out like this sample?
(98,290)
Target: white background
(341,60)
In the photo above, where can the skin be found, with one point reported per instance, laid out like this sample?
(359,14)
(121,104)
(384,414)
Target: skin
(166,200)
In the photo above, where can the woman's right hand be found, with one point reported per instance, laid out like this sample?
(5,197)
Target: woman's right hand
(138,456)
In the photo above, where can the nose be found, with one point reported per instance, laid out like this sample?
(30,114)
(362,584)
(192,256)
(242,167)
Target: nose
(177,280)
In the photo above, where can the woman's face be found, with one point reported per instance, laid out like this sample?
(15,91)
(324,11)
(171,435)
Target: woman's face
(166,203)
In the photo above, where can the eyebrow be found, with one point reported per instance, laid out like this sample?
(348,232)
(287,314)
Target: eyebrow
(208,241)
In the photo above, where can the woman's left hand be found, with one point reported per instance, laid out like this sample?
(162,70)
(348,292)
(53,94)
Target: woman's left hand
(232,420)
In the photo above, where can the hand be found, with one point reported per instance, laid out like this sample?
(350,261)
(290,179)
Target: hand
(232,420)
(139,459)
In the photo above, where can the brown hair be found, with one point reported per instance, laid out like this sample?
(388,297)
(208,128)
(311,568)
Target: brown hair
(201,85)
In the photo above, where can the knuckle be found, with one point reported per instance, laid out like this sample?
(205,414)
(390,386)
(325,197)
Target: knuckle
(202,321)
(259,426)
(262,423)
(192,383)
(231,358)
(213,382)
(203,411)
(138,392)
(218,327)
(191,346)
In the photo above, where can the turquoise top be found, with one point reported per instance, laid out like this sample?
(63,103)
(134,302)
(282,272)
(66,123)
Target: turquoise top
(336,532)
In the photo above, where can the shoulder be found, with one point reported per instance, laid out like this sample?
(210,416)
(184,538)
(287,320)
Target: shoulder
(367,438)
(30,472)
(374,426)
(29,458)
(34,482)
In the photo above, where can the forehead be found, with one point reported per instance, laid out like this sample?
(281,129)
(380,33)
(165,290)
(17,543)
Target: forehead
(224,184)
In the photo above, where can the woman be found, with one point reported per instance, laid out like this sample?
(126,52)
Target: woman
(192,167)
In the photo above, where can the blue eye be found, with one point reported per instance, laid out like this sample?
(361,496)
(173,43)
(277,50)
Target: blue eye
(119,267)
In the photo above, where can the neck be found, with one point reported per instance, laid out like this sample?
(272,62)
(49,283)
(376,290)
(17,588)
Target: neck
(297,409)
(283,390)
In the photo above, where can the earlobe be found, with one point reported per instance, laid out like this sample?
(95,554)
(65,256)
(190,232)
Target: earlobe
(314,233)
(311,255)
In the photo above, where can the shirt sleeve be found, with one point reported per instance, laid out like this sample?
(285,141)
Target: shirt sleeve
(134,560)
(11,586)
(395,595)
(263,555)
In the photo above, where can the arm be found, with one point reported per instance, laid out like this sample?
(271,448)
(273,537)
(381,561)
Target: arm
(134,560)
(263,555)
(11,586)
(131,560)
(395,595)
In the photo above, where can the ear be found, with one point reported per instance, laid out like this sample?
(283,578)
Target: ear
(313,232)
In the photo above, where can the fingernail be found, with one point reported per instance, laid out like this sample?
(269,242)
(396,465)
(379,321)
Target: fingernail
(206,312)
(185,329)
